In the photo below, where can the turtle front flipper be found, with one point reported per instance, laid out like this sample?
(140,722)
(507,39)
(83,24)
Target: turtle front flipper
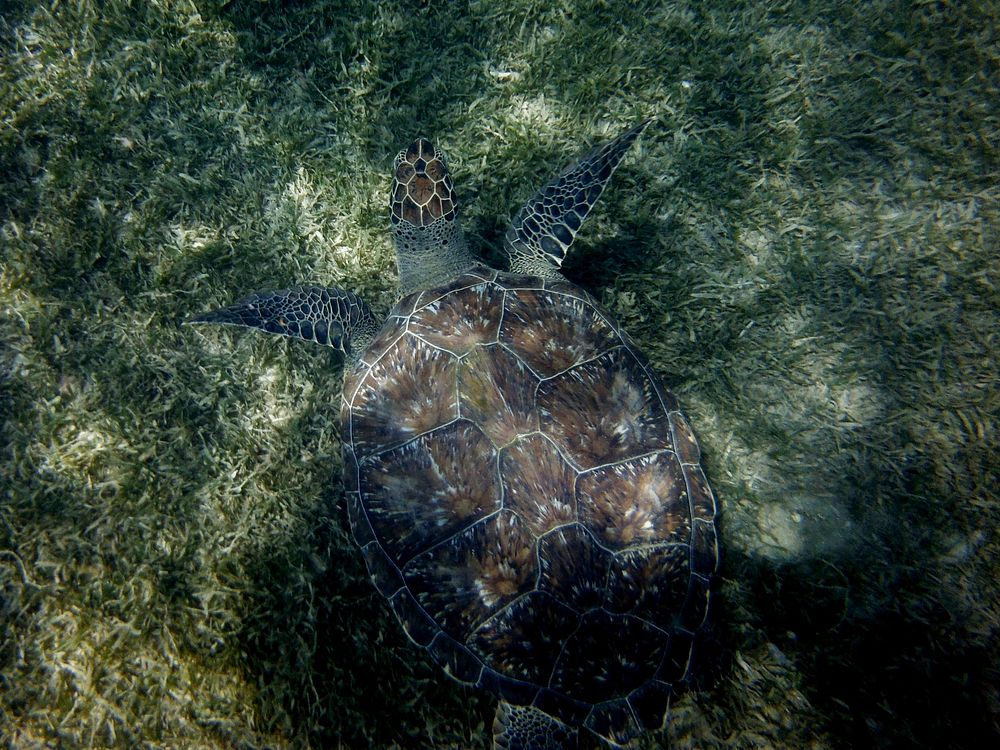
(328,316)
(542,232)
(527,728)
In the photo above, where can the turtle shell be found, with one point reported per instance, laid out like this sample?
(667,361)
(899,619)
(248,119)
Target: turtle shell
(529,498)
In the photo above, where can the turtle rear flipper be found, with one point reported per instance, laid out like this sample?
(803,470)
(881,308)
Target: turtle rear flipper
(324,315)
(542,232)
(527,728)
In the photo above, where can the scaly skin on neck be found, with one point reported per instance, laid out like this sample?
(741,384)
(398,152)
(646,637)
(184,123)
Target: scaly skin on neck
(431,255)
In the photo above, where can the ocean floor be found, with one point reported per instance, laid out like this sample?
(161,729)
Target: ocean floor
(804,242)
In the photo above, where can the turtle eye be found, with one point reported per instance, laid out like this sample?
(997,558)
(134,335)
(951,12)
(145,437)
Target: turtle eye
(436,169)
(404,172)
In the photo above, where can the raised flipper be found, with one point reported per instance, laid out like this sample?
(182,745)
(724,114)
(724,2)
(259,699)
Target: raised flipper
(527,728)
(541,233)
(328,316)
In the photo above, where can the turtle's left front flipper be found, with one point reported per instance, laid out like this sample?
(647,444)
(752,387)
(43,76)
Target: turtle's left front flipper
(527,728)
(541,233)
(328,316)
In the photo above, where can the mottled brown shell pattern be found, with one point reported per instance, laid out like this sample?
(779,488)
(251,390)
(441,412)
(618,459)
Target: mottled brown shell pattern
(529,498)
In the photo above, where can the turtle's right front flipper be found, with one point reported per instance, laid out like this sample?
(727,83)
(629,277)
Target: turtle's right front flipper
(328,316)
(543,230)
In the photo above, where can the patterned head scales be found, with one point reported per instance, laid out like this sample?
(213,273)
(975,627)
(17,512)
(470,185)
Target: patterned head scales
(422,191)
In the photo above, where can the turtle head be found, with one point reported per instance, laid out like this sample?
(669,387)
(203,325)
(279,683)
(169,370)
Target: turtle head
(422,190)
(430,244)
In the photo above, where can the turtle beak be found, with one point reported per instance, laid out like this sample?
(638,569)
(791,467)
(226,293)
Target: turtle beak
(420,149)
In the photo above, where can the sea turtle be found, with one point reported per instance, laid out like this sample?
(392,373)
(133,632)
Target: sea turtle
(525,492)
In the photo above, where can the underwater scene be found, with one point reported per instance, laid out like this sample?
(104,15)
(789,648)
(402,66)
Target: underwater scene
(723,474)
